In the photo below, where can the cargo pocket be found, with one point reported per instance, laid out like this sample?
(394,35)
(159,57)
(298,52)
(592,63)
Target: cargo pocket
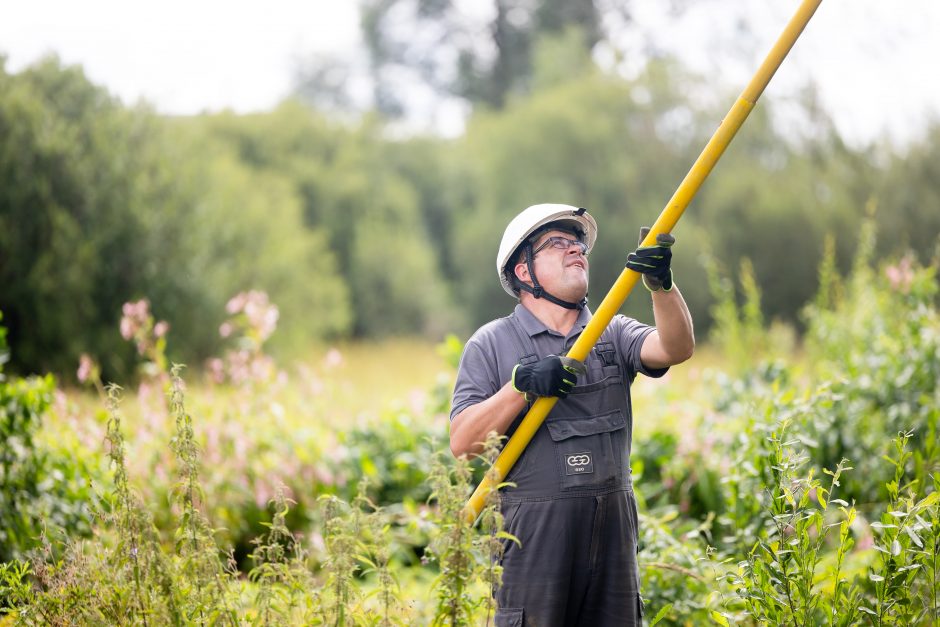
(509,617)
(588,449)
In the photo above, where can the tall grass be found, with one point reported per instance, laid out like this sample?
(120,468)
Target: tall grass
(125,574)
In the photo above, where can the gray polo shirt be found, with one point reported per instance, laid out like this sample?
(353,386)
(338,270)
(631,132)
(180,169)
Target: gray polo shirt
(491,353)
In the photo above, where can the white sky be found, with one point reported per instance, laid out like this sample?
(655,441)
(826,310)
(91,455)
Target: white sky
(875,60)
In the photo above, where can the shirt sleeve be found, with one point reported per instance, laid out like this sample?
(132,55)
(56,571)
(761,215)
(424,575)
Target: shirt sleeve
(477,376)
(631,335)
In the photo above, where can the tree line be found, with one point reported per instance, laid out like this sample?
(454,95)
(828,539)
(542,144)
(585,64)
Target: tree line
(357,231)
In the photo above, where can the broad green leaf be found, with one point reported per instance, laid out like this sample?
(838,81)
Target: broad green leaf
(930,500)
(719,618)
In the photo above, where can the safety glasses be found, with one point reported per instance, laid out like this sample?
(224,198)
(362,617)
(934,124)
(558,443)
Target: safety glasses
(561,243)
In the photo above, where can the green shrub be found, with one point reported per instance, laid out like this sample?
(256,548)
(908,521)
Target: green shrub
(41,489)
(874,340)
(790,545)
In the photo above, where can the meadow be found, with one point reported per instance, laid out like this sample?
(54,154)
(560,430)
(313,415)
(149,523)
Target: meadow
(784,478)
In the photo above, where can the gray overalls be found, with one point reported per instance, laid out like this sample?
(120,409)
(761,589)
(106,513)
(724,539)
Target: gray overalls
(573,507)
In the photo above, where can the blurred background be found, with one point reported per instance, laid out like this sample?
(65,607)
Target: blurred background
(358,161)
(303,200)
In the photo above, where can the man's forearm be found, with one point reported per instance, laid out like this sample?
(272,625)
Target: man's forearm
(470,427)
(674,324)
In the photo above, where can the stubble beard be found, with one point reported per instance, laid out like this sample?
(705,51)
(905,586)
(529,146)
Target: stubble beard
(575,285)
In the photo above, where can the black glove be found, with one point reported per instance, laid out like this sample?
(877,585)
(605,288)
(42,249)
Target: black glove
(551,376)
(653,261)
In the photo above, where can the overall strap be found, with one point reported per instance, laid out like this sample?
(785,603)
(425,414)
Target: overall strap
(524,344)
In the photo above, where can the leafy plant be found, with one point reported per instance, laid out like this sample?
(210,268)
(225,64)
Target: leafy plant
(905,574)
(40,488)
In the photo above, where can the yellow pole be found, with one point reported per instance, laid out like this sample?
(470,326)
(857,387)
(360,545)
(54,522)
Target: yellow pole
(664,224)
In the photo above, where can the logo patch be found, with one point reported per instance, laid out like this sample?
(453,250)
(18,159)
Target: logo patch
(579,463)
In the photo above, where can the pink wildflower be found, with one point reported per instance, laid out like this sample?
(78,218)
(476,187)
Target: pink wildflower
(216,369)
(86,368)
(236,303)
(333,358)
(160,329)
(262,315)
(135,317)
(865,542)
(901,276)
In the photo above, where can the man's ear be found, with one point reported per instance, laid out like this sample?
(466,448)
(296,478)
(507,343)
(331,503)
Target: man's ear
(522,272)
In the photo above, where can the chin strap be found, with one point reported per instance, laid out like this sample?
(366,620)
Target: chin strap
(538,291)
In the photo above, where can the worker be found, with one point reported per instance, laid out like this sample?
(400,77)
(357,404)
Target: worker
(571,505)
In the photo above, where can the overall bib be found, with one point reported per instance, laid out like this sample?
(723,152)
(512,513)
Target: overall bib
(573,507)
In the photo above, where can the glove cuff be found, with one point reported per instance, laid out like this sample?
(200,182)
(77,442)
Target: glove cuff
(529,398)
(659,287)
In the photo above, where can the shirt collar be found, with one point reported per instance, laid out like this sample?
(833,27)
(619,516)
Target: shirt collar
(533,326)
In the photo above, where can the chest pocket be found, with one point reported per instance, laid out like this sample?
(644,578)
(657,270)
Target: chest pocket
(606,359)
(603,369)
(607,354)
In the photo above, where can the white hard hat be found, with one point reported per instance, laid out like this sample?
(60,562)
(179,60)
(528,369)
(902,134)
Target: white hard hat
(531,220)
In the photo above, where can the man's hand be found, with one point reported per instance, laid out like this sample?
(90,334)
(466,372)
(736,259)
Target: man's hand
(551,376)
(653,262)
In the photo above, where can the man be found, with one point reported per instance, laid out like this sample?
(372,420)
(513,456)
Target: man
(572,508)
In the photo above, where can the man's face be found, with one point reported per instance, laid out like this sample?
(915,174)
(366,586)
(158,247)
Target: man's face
(561,268)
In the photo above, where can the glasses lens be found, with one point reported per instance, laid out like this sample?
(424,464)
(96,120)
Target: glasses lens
(563,243)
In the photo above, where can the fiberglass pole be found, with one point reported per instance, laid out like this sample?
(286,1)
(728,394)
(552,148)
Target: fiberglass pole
(664,224)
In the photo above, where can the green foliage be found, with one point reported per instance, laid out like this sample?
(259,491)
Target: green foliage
(40,487)
(394,454)
(877,348)
(353,191)
(905,574)
(280,569)
(909,219)
(355,230)
(741,521)
(200,567)
(126,575)
(767,484)
(749,511)
(738,331)
(102,205)
(778,580)
(466,556)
